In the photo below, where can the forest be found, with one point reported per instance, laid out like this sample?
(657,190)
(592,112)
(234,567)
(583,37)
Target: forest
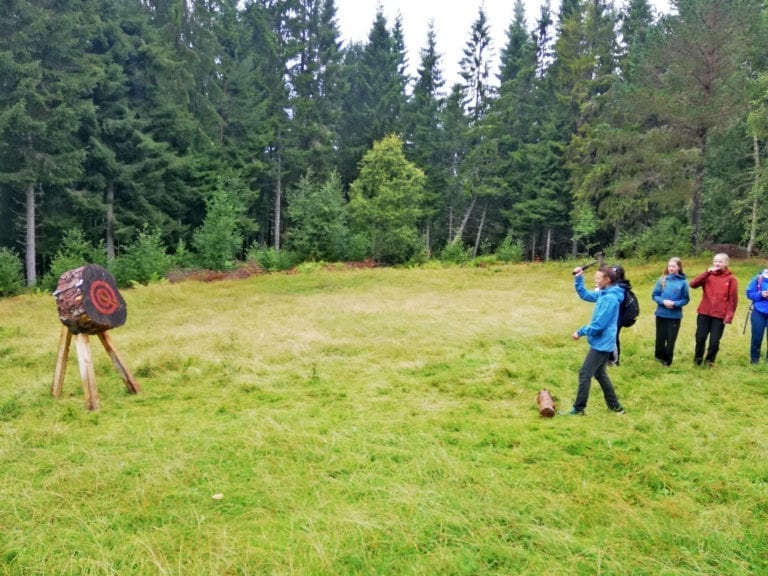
(214,130)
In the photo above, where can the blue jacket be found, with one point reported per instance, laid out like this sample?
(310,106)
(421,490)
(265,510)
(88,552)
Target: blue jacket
(756,286)
(601,331)
(675,288)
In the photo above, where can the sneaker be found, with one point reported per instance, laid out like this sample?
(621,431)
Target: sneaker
(572,412)
(618,410)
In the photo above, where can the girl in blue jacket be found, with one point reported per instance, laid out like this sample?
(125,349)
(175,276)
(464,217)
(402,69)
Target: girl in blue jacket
(757,291)
(670,295)
(601,335)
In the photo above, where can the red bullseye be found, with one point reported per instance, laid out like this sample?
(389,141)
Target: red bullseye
(103,297)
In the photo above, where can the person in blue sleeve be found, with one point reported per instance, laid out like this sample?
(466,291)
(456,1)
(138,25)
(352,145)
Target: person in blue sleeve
(670,294)
(601,335)
(757,292)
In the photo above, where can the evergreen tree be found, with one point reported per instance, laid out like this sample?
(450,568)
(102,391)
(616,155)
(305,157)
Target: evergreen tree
(425,132)
(318,228)
(385,203)
(694,84)
(316,94)
(46,66)
(376,98)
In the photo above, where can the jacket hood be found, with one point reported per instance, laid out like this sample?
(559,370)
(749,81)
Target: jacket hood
(616,291)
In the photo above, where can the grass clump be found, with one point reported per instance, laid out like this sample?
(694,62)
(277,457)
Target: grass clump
(378,421)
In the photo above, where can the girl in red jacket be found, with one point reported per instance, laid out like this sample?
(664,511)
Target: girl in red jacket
(718,305)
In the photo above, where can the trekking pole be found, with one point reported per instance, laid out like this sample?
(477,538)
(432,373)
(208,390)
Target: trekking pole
(746,320)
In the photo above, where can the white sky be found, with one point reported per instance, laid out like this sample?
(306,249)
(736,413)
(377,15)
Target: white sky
(453,20)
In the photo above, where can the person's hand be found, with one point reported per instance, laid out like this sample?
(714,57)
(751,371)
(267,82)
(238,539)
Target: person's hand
(669,304)
(577,271)
(575,335)
(764,293)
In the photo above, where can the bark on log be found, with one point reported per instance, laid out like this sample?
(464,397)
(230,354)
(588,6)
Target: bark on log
(546,403)
(88,300)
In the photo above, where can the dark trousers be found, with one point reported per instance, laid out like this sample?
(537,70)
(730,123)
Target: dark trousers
(666,336)
(759,323)
(708,326)
(594,366)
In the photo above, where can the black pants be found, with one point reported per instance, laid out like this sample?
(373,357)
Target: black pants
(708,326)
(594,366)
(666,336)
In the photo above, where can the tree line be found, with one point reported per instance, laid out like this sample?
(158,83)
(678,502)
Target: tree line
(210,130)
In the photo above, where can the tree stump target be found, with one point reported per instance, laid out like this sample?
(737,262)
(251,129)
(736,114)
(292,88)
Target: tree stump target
(88,300)
(89,304)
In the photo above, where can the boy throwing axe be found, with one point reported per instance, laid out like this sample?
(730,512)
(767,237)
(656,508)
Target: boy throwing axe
(601,335)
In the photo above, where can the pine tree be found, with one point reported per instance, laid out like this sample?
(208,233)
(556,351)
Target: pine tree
(425,132)
(45,63)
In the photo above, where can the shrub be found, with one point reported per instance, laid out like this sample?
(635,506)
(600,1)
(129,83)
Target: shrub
(665,237)
(220,237)
(75,251)
(11,273)
(182,257)
(455,253)
(359,247)
(143,261)
(318,228)
(270,259)
(510,250)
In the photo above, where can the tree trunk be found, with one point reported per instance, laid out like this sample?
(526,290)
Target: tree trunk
(698,192)
(278,202)
(460,231)
(755,196)
(549,245)
(480,231)
(110,218)
(30,247)
(533,245)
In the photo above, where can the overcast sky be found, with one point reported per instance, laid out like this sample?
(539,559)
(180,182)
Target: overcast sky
(453,21)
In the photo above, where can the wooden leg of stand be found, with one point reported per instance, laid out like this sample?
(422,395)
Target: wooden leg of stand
(87,375)
(125,374)
(61,361)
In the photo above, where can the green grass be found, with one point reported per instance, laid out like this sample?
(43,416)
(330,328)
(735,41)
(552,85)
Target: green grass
(378,421)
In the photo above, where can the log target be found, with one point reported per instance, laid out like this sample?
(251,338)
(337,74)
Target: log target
(88,300)
(89,303)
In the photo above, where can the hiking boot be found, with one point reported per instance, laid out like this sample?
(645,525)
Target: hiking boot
(572,412)
(618,410)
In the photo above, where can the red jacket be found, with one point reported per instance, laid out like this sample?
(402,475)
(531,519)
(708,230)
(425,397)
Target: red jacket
(721,294)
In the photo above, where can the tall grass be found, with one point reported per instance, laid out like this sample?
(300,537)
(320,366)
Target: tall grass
(378,421)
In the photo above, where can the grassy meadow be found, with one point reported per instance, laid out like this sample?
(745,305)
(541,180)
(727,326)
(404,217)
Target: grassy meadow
(379,422)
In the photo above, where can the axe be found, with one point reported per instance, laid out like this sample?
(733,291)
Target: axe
(599,259)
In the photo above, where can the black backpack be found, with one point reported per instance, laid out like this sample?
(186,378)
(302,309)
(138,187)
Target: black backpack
(629,309)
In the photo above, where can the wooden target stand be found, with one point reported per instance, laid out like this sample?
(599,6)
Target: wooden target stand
(89,304)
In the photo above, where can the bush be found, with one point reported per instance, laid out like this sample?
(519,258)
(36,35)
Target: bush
(666,237)
(183,258)
(75,251)
(359,248)
(219,240)
(455,253)
(143,261)
(11,273)
(270,259)
(510,250)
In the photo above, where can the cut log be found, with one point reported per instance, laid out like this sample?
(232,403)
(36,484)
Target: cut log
(88,300)
(546,403)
